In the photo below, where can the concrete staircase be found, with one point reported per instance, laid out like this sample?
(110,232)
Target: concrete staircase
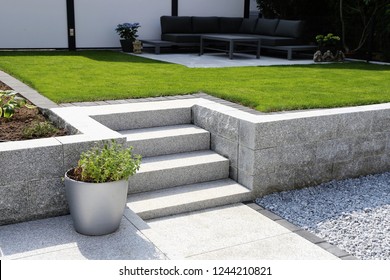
(179,172)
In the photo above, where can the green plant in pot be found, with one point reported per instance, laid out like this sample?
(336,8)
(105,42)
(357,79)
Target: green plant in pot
(96,189)
(128,34)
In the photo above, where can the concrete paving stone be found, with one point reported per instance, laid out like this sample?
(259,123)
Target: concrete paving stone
(66,105)
(333,249)
(270,215)
(254,206)
(309,236)
(282,247)
(55,238)
(288,225)
(349,258)
(187,235)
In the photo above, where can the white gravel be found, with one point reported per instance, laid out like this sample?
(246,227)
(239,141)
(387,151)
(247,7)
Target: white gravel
(353,214)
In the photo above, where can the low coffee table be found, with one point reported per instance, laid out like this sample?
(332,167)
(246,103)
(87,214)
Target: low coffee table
(233,41)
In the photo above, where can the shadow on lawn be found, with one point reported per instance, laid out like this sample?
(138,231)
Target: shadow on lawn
(97,55)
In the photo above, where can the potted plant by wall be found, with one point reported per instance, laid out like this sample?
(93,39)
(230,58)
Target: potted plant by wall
(128,34)
(96,189)
(328,48)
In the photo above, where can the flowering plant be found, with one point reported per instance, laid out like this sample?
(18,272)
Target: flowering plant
(128,31)
(327,40)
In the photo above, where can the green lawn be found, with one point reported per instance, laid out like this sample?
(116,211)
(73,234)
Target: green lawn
(102,75)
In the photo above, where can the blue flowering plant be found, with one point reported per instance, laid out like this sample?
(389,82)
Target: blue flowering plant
(128,31)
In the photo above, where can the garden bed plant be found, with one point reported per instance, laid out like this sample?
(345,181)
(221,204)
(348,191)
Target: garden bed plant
(20,120)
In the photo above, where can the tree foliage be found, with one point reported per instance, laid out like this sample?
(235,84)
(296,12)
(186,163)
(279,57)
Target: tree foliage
(361,24)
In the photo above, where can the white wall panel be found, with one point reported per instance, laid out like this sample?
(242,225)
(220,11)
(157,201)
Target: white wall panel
(228,8)
(33,24)
(43,23)
(96,20)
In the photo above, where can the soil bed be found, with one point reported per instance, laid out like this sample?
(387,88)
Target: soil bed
(12,129)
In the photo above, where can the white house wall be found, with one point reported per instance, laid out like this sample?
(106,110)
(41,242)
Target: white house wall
(96,20)
(228,8)
(43,23)
(33,24)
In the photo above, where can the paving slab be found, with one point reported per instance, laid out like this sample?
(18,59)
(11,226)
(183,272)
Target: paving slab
(55,238)
(230,232)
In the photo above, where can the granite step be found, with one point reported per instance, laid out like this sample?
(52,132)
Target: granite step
(182,199)
(174,170)
(166,140)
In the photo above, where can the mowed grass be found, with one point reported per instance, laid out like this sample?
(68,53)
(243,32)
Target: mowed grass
(105,75)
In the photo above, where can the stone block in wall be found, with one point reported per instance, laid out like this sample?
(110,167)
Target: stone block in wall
(13,202)
(216,123)
(30,160)
(24,201)
(270,134)
(371,144)
(359,167)
(333,150)
(354,124)
(226,148)
(47,198)
(381,121)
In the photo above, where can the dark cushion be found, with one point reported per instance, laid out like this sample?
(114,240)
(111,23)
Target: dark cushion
(205,24)
(181,38)
(289,28)
(230,24)
(266,26)
(248,25)
(171,24)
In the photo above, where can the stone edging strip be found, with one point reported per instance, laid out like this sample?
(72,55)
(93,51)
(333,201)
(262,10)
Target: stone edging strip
(334,250)
(31,94)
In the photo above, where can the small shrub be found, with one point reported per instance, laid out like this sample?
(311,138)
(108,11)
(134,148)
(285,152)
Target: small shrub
(108,164)
(9,102)
(329,40)
(128,31)
(39,130)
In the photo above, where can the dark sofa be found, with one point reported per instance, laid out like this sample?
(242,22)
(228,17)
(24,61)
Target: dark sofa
(273,32)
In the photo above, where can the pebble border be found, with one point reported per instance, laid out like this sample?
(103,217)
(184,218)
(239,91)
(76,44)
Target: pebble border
(334,250)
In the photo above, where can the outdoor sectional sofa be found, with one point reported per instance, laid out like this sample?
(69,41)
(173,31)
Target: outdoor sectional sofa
(274,33)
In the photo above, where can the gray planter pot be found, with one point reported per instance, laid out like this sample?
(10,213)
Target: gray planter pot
(96,208)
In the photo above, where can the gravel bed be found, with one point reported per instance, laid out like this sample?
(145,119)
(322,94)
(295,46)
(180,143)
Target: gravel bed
(352,214)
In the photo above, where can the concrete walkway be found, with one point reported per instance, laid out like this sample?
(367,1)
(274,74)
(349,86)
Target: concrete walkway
(237,232)
(218,60)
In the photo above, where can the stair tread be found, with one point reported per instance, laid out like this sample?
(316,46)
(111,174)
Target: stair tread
(194,193)
(161,132)
(180,160)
